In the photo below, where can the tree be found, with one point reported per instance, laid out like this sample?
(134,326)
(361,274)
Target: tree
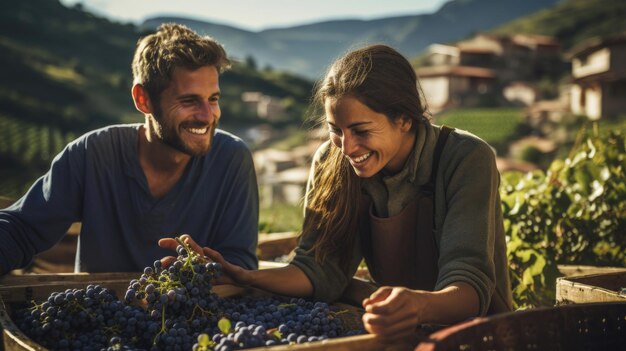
(251,62)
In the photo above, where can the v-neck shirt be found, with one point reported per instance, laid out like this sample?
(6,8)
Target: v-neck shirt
(98,180)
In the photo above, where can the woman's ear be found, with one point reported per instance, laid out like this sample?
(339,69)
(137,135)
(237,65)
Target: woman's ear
(404,123)
(141,99)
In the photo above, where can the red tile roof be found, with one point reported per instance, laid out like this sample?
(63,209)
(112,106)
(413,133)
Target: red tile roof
(459,71)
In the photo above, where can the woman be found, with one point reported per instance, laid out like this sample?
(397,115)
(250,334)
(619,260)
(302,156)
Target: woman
(420,203)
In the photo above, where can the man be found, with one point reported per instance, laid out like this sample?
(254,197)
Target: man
(132,184)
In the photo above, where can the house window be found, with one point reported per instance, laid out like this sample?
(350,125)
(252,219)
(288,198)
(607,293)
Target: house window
(583,97)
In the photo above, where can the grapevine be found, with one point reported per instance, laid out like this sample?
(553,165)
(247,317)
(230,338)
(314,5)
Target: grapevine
(574,213)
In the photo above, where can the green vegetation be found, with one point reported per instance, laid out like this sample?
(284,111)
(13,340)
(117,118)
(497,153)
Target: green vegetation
(572,21)
(575,213)
(293,92)
(618,123)
(26,150)
(64,71)
(63,67)
(280,218)
(570,128)
(294,138)
(29,143)
(66,67)
(497,126)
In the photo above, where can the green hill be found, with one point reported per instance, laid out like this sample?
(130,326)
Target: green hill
(572,21)
(64,71)
(67,67)
(63,66)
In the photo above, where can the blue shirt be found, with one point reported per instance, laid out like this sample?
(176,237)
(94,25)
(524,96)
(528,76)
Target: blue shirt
(97,180)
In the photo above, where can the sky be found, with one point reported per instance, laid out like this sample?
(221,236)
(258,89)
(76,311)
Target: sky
(256,15)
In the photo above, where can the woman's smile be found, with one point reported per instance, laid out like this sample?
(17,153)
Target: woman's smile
(361,158)
(368,139)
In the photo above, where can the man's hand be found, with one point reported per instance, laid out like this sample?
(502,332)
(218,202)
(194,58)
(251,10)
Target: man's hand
(232,273)
(172,244)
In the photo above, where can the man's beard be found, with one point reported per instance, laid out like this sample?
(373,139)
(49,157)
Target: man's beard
(169,135)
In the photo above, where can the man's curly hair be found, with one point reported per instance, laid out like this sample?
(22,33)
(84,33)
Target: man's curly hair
(171,46)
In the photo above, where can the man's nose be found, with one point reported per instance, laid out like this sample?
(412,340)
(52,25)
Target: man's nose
(208,112)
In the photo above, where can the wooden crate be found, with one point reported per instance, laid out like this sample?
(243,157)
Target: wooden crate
(577,270)
(603,287)
(273,245)
(18,289)
(600,326)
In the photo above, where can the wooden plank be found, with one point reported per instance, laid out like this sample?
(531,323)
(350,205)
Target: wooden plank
(275,245)
(28,287)
(576,270)
(268,237)
(40,286)
(603,287)
(271,264)
(74,229)
(9,281)
(367,342)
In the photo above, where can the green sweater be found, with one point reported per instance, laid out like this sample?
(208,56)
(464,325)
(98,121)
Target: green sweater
(469,228)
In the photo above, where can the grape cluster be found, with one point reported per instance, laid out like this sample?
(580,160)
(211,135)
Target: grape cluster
(174,308)
(81,319)
(177,298)
(268,321)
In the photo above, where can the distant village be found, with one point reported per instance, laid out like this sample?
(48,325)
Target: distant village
(484,71)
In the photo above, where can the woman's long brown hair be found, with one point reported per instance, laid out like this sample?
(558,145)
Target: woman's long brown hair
(383,80)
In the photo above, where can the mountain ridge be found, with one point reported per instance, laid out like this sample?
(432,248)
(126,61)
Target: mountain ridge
(309,48)
(64,71)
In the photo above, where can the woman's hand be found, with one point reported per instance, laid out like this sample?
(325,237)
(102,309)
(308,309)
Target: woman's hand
(289,280)
(394,312)
(232,273)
